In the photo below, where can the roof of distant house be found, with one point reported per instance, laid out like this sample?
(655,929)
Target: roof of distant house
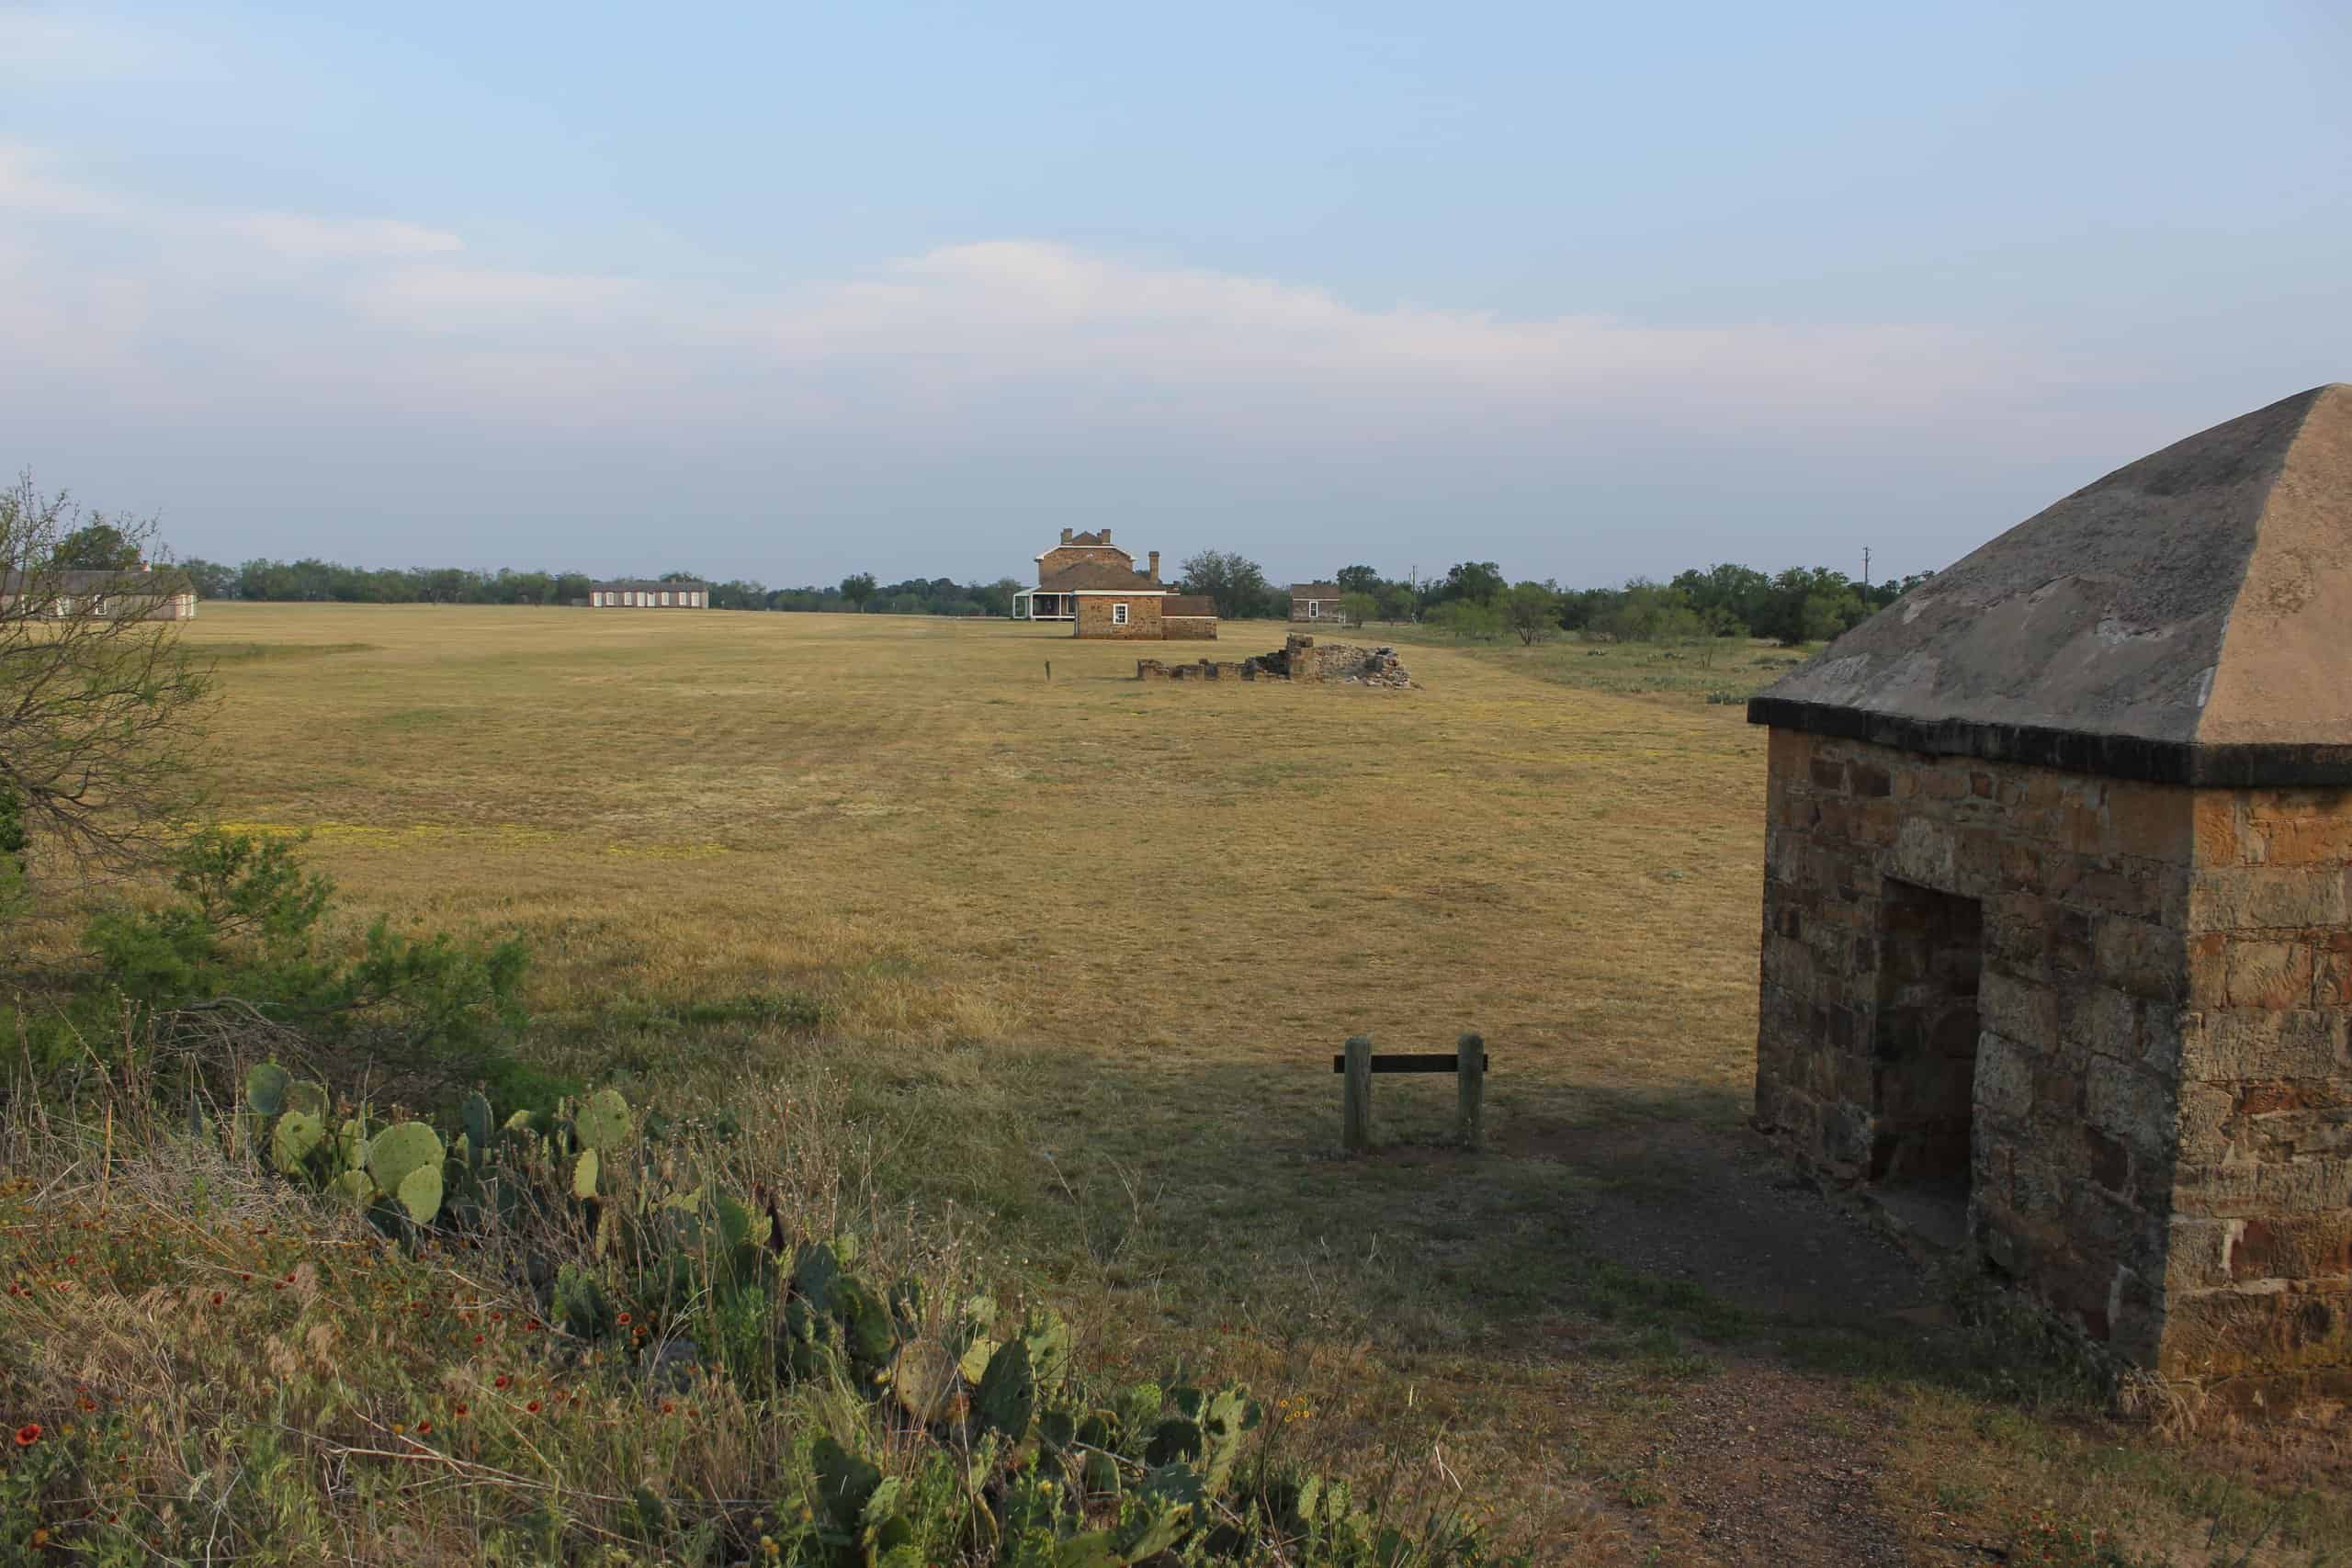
(642,584)
(1315,590)
(2187,619)
(74,580)
(1096,577)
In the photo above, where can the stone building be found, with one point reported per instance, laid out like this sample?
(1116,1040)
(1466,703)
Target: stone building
(1316,602)
(638,594)
(2057,954)
(1093,584)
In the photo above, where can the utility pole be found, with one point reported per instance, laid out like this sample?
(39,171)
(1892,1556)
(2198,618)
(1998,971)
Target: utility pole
(1866,569)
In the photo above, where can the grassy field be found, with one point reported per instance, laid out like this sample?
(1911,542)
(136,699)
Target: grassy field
(1077,951)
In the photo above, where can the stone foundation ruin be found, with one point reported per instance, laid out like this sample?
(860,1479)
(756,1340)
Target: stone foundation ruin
(1298,658)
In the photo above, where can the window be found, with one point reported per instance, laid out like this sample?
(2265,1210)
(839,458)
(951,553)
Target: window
(1118,614)
(665,597)
(1315,609)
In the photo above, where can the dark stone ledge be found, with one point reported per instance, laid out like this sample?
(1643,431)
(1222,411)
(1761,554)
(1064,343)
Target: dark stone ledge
(2072,750)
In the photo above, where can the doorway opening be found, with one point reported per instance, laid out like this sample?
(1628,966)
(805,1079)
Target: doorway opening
(1923,1068)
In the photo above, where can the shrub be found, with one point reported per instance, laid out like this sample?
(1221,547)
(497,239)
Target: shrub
(613,1339)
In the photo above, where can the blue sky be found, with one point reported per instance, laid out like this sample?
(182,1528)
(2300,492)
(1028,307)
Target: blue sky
(788,291)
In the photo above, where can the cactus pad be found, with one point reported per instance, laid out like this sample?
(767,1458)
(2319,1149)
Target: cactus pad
(603,1122)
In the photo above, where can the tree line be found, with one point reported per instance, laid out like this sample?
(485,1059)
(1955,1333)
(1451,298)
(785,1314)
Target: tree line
(1476,600)
(312,580)
(1472,599)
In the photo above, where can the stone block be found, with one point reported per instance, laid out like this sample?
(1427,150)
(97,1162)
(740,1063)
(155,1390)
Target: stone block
(2004,1084)
(2127,1102)
(2219,1187)
(2324,841)
(2293,1247)
(1923,852)
(2263,897)
(2216,817)
(2265,974)
(2204,1126)
(2301,1186)
(2197,1252)
(1829,775)
(2025,1014)
(2151,821)
(2226,1044)
(2141,957)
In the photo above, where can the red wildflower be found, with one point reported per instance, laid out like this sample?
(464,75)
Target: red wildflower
(458,1412)
(477,1339)
(425,1428)
(29,1434)
(216,1298)
(532,1408)
(622,1320)
(669,1407)
(86,1403)
(501,1381)
(532,1327)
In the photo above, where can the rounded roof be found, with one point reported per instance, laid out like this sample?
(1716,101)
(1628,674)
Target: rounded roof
(2187,619)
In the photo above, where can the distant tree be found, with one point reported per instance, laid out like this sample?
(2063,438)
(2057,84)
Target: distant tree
(1358,580)
(1236,583)
(570,585)
(1480,582)
(1532,610)
(1396,602)
(1649,612)
(858,588)
(738,595)
(209,578)
(97,546)
(681,576)
(1360,608)
(100,715)
(1472,620)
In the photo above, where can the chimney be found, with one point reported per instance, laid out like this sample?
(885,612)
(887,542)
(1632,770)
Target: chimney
(1106,536)
(1154,566)
(1065,535)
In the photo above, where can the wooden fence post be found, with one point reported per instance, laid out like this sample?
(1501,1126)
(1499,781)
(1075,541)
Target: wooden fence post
(1356,1101)
(1470,1086)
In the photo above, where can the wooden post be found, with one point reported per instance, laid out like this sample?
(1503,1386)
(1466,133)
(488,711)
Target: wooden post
(1470,1086)
(1355,1102)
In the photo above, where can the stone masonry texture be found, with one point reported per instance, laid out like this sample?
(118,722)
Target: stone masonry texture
(2159,1109)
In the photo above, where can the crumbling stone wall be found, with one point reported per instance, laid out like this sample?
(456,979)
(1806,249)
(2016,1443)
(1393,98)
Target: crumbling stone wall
(1189,628)
(2161,1095)
(1298,659)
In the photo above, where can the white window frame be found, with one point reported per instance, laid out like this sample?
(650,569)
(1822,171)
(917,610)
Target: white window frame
(1315,609)
(1119,615)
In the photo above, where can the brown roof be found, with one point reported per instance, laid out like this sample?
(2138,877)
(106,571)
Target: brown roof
(1315,590)
(1188,604)
(1097,575)
(1102,538)
(2186,619)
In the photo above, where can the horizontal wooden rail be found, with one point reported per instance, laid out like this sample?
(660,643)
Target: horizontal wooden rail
(1415,1062)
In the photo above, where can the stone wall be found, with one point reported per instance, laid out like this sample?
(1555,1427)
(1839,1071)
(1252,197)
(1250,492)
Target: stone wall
(2079,884)
(1298,659)
(1189,628)
(2260,1288)
(1095,618)
(2160,1106)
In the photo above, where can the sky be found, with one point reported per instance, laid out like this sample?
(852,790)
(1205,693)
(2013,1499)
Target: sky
(788,291)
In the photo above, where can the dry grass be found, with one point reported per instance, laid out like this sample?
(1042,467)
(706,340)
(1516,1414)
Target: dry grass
(1084,948)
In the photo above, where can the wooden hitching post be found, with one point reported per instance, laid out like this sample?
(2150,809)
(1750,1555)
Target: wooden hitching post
(1356,1101)
(1470,1086)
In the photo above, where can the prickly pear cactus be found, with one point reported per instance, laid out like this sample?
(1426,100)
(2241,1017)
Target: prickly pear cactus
(265,1089)
(296,1137)
(420,1193)
(405,1160)
(584,1175)
(474,1116)
(304,1095)
(604,1121)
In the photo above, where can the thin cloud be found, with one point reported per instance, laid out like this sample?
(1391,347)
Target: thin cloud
(296,237)
(25,187)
